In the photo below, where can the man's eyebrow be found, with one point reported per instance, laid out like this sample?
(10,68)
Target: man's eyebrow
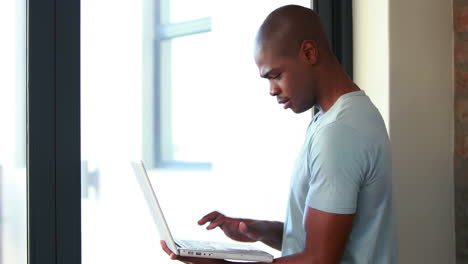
(265,75)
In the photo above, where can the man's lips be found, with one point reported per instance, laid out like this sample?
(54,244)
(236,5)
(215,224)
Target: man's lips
(286,103)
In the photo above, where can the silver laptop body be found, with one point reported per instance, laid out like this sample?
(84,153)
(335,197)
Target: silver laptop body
(188,248)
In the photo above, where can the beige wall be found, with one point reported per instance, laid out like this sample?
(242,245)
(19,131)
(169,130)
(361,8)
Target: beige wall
(371,51)
(406,46)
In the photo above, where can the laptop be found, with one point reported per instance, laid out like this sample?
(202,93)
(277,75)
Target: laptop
(191,248)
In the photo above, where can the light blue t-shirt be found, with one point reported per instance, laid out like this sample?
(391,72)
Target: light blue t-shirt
(344,167)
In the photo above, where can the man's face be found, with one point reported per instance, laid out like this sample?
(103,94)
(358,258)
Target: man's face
(290,78)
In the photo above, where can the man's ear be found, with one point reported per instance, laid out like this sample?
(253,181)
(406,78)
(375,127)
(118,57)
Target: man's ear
(309,51)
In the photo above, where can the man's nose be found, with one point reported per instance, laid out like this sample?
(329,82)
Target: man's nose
(274,89)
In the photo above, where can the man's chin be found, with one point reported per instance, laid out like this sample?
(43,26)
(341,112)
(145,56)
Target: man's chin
(300,110)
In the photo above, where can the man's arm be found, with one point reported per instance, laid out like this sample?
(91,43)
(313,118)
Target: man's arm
(272,232)
(326,237)
(246,230)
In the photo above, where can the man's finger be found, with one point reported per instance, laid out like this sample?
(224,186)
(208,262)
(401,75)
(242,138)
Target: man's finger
(166,248)
(168,251)
(209,217)
(217,222)
(173,256)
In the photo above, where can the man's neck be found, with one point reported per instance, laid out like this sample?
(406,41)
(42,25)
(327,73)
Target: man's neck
(334,84)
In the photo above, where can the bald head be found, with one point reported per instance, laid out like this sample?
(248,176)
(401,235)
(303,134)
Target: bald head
(284,30)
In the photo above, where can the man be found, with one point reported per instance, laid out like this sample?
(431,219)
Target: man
(340,205)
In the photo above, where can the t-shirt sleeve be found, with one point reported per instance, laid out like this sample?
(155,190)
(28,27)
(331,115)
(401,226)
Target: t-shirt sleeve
(337,163)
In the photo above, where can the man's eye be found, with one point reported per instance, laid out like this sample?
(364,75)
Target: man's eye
(277,77)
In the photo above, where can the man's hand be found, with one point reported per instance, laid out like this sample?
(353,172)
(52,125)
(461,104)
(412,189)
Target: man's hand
(237,229)
(189,260)
(246,230)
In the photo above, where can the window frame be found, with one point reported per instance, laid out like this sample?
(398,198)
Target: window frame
(153,139)
(337,20)
(53,132)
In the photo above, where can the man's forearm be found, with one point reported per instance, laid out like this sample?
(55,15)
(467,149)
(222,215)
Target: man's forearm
(275,237)
(271,232)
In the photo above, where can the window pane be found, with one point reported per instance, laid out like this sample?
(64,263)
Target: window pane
(186,93)
(13,229)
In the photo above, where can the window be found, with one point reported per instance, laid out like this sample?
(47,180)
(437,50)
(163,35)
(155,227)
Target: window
(181,115)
